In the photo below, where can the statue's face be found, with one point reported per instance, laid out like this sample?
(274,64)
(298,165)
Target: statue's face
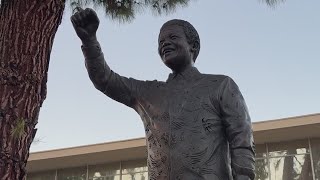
(174,49)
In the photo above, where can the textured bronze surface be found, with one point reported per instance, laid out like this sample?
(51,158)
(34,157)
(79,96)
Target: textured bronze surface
(197,125)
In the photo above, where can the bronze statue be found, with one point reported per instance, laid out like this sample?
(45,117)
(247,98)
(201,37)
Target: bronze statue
(197,125)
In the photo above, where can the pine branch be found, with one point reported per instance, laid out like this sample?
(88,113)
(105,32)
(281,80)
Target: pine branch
(125,10)
(273,3)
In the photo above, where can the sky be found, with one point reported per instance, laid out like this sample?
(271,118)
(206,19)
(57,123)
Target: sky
(273,54)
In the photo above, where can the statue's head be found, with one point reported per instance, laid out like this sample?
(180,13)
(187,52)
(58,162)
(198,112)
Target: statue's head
(178,44)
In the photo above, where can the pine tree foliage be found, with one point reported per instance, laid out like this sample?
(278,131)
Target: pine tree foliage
(125,10)
(272,3)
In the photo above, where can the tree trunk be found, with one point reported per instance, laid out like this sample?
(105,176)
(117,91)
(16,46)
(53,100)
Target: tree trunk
(27,30)
(288,170)
(306,169)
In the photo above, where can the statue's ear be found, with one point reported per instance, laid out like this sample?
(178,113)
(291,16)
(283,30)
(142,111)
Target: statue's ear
(195,46)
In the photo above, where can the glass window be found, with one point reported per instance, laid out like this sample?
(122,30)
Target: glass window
(315,145)
(134,166)
(114,177)
(261,170)
(79,173)
(288,148)
(294,167)
(261,151)
(104,172)
(135,170)
(136,176)
(46,175)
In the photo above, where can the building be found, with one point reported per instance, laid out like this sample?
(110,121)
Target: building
(287,149)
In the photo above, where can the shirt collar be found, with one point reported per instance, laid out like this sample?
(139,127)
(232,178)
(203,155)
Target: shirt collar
(188,74)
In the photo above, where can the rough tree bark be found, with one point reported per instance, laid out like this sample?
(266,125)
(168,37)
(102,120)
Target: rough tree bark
(288,170)
(27,30)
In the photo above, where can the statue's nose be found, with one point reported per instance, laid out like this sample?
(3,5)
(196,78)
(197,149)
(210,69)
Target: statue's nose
(166,43)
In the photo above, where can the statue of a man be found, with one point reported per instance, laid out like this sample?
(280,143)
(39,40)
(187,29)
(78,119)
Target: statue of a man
(197,125)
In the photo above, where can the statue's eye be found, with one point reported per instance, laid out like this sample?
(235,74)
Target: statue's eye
(173,37)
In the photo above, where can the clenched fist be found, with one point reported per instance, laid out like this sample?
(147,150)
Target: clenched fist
(85,23)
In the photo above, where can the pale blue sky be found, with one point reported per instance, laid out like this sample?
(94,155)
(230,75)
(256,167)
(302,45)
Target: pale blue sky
(272,53)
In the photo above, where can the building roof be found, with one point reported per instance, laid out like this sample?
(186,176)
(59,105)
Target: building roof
(287,129)
(264,132)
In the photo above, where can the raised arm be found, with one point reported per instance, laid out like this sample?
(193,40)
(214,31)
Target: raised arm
(121,89)
(238,130)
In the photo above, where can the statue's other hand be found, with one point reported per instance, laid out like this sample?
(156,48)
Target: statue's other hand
(85,22)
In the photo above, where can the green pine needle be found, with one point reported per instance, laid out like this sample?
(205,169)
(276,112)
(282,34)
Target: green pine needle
(18,130)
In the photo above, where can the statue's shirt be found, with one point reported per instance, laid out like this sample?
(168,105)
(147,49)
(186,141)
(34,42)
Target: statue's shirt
(197,125)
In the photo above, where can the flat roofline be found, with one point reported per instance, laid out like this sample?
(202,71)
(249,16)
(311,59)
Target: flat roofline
(90,145)
(257,126)
(90,148)
(286,122)
(288,118)
(278,130)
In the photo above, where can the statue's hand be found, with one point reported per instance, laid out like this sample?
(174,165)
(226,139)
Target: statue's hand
(85,22)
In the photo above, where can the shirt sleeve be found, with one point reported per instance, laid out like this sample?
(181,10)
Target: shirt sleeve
(238,127)
(119,88)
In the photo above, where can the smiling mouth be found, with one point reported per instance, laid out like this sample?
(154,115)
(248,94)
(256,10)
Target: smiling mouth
(166,51)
